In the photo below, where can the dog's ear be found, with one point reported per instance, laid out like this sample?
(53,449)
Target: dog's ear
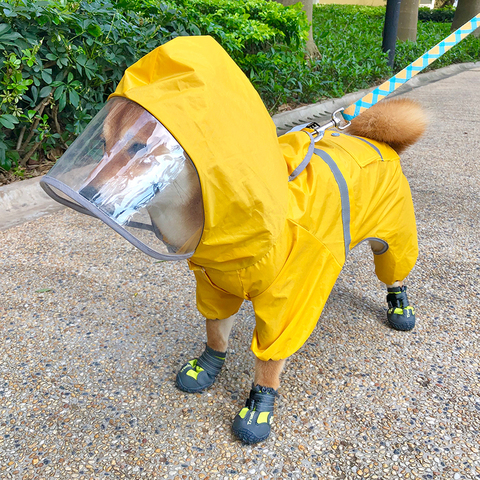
(398,123)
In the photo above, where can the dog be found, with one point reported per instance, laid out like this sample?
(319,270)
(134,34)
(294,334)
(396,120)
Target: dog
(264,219)
(397,123)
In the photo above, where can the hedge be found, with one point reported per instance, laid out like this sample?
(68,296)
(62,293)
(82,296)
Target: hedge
(60,60)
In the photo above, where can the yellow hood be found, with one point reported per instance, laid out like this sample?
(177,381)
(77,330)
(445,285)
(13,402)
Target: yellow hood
(198,93)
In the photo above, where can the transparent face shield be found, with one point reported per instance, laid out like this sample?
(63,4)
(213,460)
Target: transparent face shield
(129,171)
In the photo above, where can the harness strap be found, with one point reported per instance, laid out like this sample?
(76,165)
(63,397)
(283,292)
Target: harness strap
(306,160)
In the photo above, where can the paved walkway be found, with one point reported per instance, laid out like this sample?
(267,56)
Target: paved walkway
(93,332)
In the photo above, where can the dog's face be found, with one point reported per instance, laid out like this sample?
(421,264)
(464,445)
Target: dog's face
(143,166)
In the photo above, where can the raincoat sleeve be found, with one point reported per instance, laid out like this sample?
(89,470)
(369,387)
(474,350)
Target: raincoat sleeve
(212,301)
(288,310)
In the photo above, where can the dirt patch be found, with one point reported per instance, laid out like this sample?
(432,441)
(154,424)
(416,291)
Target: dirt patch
(31,171)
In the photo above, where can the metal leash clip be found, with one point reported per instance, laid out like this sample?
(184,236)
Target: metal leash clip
(337,121)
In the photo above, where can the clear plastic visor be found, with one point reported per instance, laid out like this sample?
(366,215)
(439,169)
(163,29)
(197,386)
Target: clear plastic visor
(129,171)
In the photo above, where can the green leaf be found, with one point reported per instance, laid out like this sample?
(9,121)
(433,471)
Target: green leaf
(74,98)
(6,122)
(59,92)
(6,34)
(45,91)
(11,118)
(47,78)
(34,90)
(62,103)
(82,59)
(94,30)
(43,290)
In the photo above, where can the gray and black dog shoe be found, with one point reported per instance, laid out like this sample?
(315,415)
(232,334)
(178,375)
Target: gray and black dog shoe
(400,314)
(200,373)
(253,422)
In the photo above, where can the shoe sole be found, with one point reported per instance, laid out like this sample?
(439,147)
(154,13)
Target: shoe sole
(248,437)
(182,387)
(403,325)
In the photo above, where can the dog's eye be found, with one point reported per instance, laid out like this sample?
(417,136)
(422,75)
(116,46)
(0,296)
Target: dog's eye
(135,147)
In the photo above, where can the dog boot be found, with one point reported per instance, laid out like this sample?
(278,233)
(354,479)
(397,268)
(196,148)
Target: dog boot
(253,423)
(200,373)
(400,314)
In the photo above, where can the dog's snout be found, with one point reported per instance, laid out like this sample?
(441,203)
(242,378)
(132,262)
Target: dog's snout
(89,192)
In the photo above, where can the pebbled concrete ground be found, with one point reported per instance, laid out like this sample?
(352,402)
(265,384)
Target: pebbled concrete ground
(93,333)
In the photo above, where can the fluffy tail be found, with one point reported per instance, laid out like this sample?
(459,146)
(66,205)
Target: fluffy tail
(399,123)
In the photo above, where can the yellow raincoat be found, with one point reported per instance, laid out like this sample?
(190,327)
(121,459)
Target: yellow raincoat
(277,243)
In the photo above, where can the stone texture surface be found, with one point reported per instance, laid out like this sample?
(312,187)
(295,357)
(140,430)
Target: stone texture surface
(93,333)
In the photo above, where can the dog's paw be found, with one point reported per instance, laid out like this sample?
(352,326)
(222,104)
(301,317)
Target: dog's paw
(193,379)
(400,314)
(251,426)
(200,373)
(401,318)
(253,422)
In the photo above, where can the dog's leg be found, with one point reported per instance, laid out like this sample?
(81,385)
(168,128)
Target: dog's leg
(253,422)
(200,373)
(218,332)
(267,374)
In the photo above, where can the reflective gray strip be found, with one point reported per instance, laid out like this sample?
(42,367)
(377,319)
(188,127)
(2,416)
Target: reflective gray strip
(87,208)
(305,161)
(375,239)
(344,197)
(367,142)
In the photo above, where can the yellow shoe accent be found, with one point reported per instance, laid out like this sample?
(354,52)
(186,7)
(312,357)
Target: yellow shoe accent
(243,412)
(263,417)
(194,373)
(399,311)
(189,364)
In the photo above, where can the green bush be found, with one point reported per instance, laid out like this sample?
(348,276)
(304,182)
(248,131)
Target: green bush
(438,15)
(350,37)
(58,63)
(244,27)
(60,60)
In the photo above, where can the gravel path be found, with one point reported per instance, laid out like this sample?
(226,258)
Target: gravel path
(93,333)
